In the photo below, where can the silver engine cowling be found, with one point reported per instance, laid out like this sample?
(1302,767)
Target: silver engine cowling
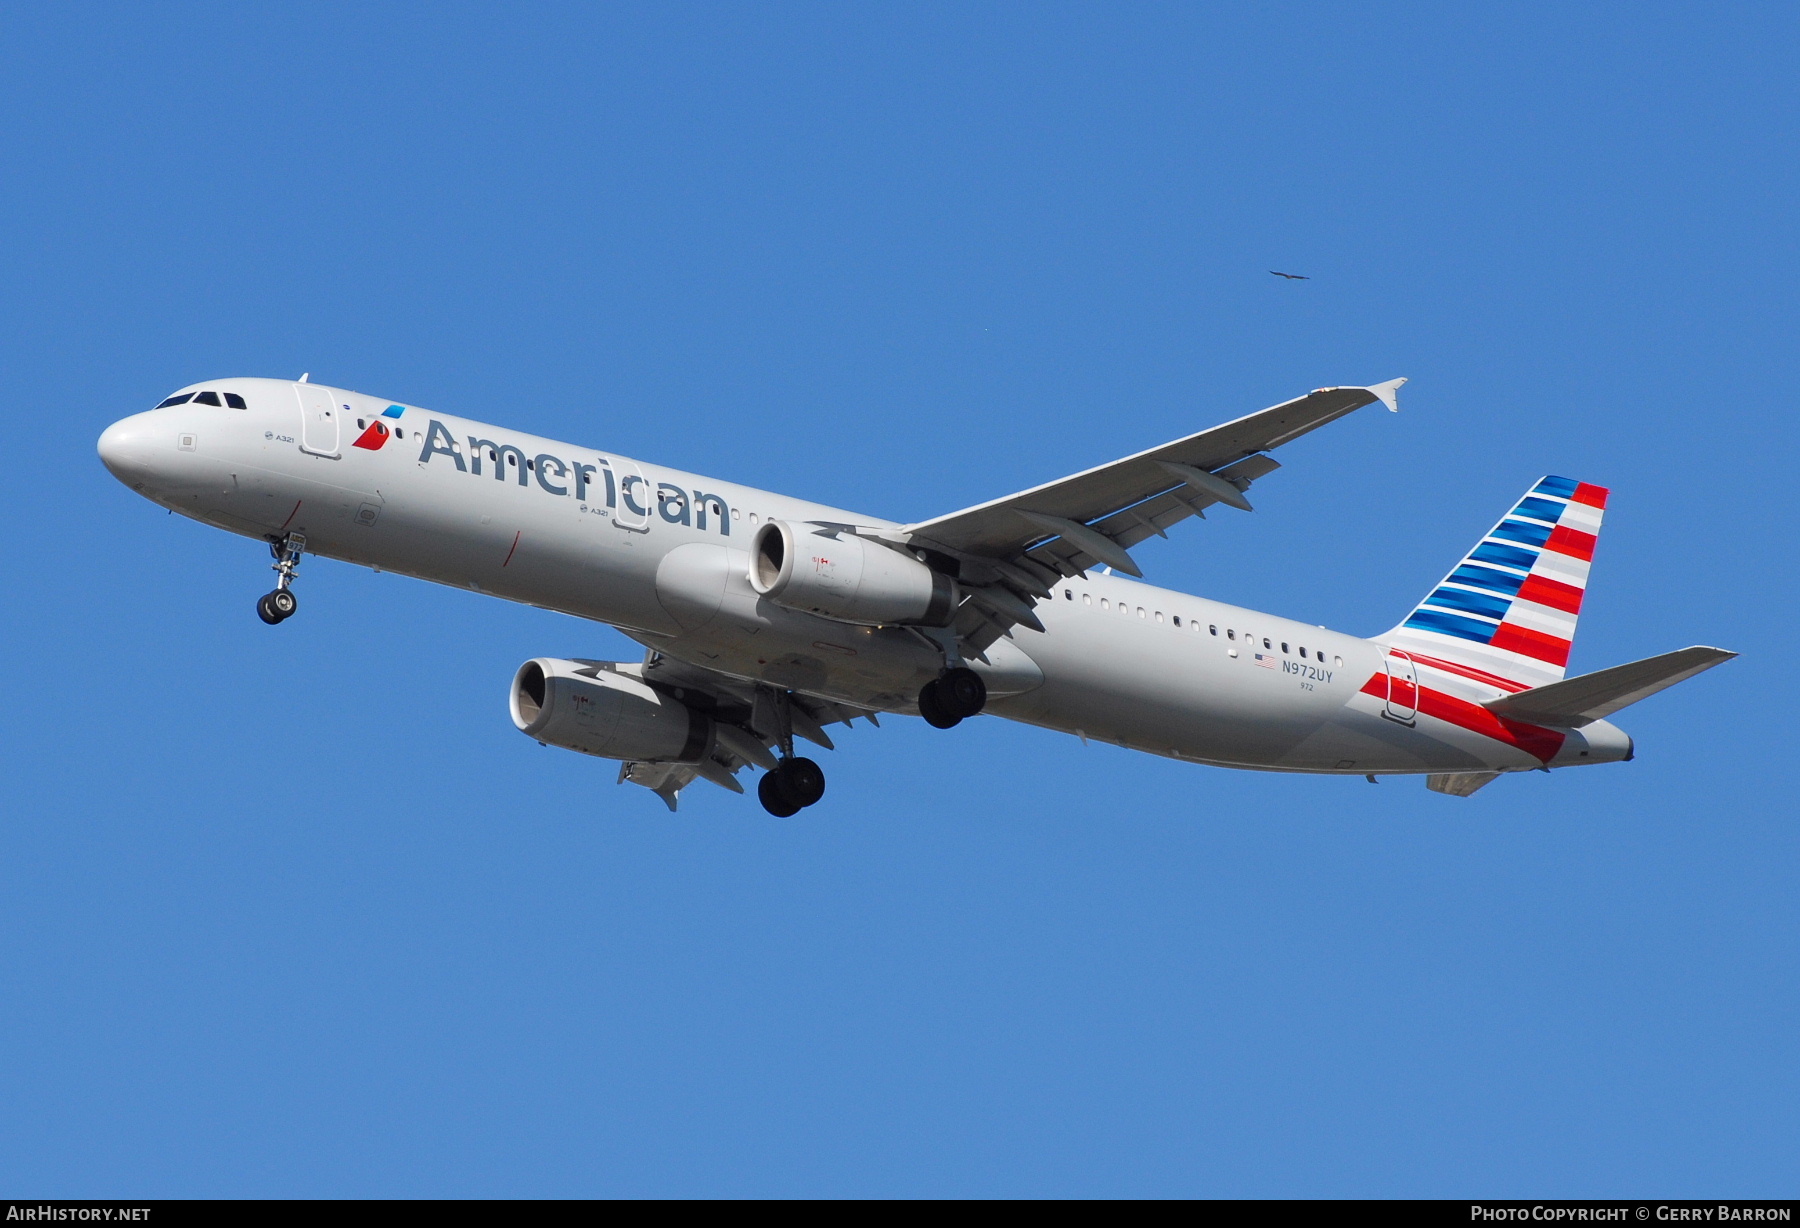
(841,576)
(594,708)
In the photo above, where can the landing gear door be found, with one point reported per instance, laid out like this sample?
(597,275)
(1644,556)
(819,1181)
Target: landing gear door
(320,422)
(636,497)
(1402,688)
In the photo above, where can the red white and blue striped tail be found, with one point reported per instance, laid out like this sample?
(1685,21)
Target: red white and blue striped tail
(1508,611)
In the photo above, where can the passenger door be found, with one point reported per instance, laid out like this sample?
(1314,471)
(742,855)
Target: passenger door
(319,420)
(1402,688)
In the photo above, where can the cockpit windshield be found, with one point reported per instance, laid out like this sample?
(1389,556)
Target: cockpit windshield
(232,400)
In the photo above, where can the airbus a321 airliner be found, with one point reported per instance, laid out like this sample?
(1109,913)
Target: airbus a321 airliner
(767,618)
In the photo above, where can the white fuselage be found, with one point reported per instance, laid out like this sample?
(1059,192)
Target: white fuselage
(663,556)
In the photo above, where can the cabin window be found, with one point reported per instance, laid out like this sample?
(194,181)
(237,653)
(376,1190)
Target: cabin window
(1141,612)
(234,401)
(1175,617)
(208,398)
(734,513)
(1338,661)
(1230,634)
(1266,643)
(1159,616)
(183,399)
(399,434)
(1212,627)
(1105,604)
(1087,599)
(1284,647)
(752,517)
(1068,595)
(1303,652)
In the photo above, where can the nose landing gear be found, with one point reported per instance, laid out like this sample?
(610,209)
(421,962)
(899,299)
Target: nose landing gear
(955,695)
(280,605)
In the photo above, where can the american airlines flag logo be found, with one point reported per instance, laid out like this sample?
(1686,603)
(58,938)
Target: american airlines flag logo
(378,432)
(1265,660)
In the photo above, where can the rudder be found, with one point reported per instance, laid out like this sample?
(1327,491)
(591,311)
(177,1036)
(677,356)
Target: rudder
(1509,608)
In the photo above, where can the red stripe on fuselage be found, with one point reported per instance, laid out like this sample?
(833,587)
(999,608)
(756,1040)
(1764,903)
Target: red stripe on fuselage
(1540,743)
(1468,671)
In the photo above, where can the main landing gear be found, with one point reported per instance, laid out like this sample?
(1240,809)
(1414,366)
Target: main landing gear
(791,787)
(794,783)
(948,699)
(280,605)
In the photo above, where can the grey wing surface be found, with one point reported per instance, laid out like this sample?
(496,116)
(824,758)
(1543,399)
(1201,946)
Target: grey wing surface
(1010,550)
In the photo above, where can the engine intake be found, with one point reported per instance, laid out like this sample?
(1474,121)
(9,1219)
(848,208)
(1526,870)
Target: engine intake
(592,709)
(841,576)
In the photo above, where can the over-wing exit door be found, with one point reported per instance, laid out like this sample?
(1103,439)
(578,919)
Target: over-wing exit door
(635,497)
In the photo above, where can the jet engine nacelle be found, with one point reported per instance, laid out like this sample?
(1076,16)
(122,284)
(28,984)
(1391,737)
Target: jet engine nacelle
(590,708)
(841,576)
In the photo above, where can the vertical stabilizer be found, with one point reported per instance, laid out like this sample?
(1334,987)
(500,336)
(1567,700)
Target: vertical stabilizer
(1508,611)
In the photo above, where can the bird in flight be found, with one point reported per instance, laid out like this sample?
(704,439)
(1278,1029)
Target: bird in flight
(1291,276)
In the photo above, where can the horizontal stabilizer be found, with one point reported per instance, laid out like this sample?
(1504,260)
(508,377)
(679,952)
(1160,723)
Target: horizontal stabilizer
(1575,702)
(1459,784)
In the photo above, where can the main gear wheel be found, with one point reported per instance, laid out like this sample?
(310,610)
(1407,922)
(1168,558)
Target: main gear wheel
(948,700)
(793,785)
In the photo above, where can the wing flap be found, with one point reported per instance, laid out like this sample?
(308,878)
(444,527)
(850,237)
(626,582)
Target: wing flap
(1150,518)
(1132,525)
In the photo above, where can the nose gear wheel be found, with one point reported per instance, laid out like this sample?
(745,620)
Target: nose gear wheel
(277,606)
(280,605)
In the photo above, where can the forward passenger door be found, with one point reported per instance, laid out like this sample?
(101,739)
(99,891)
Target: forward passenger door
(320,426)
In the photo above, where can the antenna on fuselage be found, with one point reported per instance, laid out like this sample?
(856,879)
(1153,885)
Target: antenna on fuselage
(304,375)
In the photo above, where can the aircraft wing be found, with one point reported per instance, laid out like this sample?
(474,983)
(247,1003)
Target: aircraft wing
(1131,499)
(1011,550)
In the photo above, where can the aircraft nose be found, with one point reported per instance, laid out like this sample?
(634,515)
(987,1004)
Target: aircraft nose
(125,449)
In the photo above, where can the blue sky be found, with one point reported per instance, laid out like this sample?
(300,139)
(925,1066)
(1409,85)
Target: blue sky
(295,911)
